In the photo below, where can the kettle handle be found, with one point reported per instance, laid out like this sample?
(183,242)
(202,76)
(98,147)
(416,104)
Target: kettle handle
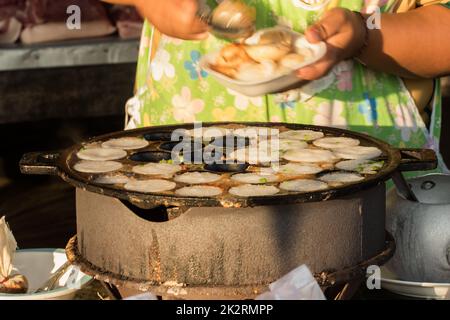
(413,160)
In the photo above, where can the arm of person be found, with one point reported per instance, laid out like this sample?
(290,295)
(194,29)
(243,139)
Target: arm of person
(175,18)
(412,45)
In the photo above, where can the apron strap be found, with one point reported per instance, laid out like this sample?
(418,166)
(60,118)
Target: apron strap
(436,123)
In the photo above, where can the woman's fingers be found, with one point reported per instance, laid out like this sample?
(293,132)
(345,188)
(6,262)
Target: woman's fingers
(320,68)
(187,17)
(328,26)
(198,26)
(343,33)
(174,18)
(198,36)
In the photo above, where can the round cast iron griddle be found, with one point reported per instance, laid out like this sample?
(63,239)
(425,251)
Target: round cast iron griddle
(60,163)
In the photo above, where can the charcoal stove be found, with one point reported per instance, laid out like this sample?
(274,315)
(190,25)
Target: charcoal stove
(227,247)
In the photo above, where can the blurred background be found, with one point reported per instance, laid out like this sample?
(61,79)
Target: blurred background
(57,88)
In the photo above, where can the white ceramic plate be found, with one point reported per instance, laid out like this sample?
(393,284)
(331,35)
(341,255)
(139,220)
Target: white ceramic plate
(275,85)
(423,290)
(37,265)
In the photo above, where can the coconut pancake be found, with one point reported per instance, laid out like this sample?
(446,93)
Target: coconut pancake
(358,153)
(341,177)
(304,185)
(254,178)
(198,177)
(304,135)
(299,169)
(310,156)
(127,143)
(101,154)
(251,190)
(165,169)
(255,155)
(361,166)
(199,191)
(336,142)
(87,166)
(150,186)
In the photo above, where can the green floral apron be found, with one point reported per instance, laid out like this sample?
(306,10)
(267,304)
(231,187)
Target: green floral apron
(171,88)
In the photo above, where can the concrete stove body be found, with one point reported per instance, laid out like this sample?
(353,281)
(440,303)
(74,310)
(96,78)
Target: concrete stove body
(220,252)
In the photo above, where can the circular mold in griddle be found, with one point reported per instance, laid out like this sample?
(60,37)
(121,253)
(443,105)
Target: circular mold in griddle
(231,142)
(195,157)
(182,147)
(158,136)
(213,155)
(150,156)
(227,167)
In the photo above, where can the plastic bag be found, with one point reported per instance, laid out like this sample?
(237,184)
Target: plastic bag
(299,284)
(9,282)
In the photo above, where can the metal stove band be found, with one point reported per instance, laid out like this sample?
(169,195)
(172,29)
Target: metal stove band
(326,279)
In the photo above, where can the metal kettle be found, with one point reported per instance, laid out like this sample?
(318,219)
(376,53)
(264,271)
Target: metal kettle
(421,230)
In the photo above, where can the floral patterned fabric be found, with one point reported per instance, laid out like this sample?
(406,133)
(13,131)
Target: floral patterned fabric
(171,88)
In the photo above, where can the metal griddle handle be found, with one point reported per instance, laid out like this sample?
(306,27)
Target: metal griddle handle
(418,160)
(413,160)
(38,163)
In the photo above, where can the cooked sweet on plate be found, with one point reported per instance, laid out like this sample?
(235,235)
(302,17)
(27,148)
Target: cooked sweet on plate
(254,178)
(253,72)
(230,58)
(268,54)
(87,166)
(150,186)
(164,169)
(198,177)
(126,143)
(101,154)
(199,191)
(270,44)
(303,185)
(251,190)
(292,61)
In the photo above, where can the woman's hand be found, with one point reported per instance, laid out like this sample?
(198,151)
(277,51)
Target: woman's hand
(344,33)
(175,18)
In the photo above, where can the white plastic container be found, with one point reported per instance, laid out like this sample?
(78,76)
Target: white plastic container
(271,85)
(38,265)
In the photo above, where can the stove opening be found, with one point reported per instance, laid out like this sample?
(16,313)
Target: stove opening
(158,214)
